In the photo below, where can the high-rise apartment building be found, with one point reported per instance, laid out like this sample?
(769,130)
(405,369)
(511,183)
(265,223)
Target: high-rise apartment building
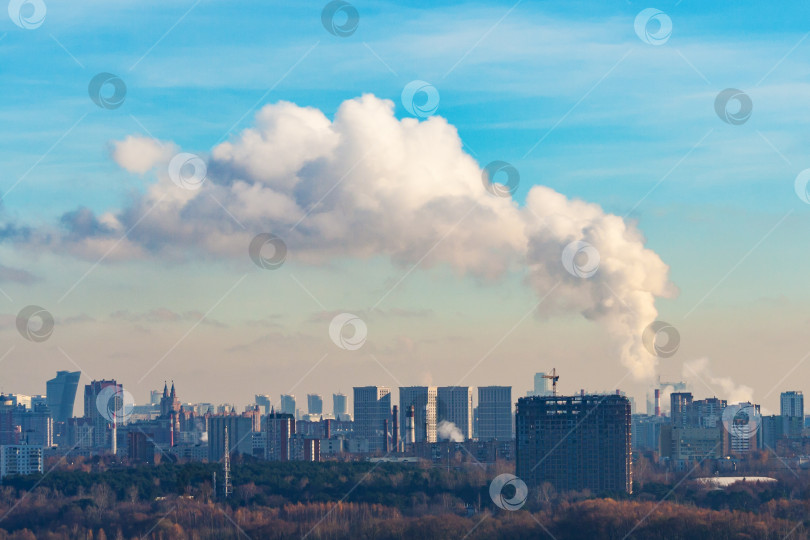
(791,409)
(278,428)
(264,402)
(708,413)
(101,414)
(494,413)
(339,406)
(741,422)
(372,410)
(240,436)
(287,404)
(314,404)
(791,403)
(679,408)
(61,394)
(575,442)
(423,400)
(455,404)
(541,385)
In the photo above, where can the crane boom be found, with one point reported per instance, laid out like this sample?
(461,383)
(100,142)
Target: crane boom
(554,378)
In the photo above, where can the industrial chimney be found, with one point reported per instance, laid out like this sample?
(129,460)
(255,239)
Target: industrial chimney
(657,402)
(395,434)
(410,426)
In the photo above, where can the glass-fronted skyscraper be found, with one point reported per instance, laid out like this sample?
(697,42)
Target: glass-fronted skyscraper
(287,404)
(791,409)
(339,406)
(423,399)
(61,394)
(372,407)
(494,413)
(314,404)
(455,404)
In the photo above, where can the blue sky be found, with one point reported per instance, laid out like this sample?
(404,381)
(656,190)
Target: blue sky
(565,91)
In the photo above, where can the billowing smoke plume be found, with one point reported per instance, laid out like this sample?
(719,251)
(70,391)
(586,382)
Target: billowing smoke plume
(448,431)
(367,184)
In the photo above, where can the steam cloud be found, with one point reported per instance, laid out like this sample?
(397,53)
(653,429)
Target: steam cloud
(735,393)
(449,431)
(367,184)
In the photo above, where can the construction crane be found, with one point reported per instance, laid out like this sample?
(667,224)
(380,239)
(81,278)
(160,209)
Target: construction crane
(554,378)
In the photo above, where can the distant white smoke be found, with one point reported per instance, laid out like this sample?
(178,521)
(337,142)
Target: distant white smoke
(725,386)
(367,184)
(448,431)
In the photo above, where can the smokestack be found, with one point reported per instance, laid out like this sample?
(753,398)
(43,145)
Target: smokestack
(410,426)
(395,434)
(582,392)
(385,434)
(657,402)
(114,437)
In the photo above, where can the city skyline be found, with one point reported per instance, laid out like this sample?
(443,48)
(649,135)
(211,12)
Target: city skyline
(300,405)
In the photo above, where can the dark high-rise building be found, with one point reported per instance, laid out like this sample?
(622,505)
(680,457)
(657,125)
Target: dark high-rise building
(494,413)
(423,401)
(277,429)
(679,408)
(263,401)
(339,407)
(61,394)
(240,436)
(287,404)
(575,442)
(101,414)
(372,409)
(455,404)
(707,412)
(314,404)
(791,409)
(140,447)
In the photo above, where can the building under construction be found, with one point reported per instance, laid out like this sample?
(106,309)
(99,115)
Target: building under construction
(575,442)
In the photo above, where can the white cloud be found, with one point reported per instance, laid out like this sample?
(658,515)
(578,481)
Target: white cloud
(140,154)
